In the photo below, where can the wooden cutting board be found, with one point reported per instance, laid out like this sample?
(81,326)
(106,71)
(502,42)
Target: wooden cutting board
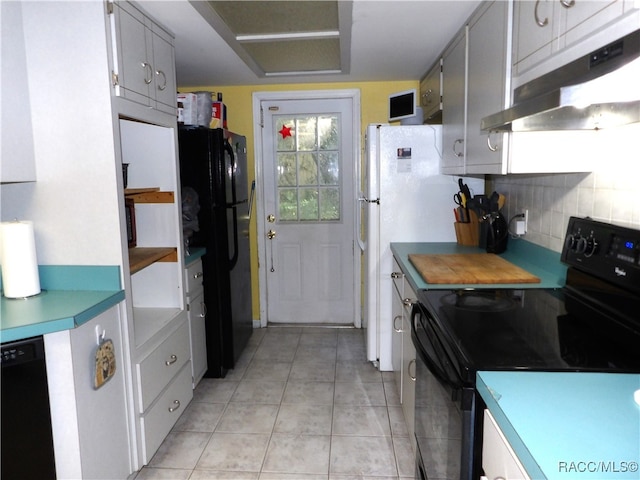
(469,268)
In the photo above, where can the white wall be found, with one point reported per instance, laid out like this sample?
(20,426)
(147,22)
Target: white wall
(67,126)
(610,193)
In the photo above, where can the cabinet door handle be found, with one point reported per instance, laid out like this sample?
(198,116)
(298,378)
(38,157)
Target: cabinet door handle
(203,309)
(541,23)
(411,362)
(568,4)
(172,359)
(197,275)
(164,80)
(425,97)
(147,69)
(455,152)
(493,148)
(396,275)
(407,302)
(397,317)
(176,406)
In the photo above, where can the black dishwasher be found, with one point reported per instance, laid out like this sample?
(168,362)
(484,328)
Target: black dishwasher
(27,440)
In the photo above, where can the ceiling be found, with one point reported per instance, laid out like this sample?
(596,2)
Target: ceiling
(388,40)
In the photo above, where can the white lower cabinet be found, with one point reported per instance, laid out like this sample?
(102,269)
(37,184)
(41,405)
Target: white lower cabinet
(499,461)
(396,334)
(408,362)
(161,365)
(196,313)
(165,388)
(90,426)
(161,417)
(403,352)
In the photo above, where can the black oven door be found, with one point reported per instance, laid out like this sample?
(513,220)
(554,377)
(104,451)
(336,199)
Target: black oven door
(444,407)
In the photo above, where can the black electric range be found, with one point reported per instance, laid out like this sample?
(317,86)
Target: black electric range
(591,324)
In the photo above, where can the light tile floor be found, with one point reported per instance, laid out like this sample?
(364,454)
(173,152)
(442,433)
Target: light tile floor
(302,403)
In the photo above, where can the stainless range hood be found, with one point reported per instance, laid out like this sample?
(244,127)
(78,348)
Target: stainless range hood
(596,91)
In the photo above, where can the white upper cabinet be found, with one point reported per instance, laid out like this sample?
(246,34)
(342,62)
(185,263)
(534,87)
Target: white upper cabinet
(534,22)
(143,63)
(454,105)
(566,29)
(17,157)
(488,86)
(502,46)
(431,93)
(476,83)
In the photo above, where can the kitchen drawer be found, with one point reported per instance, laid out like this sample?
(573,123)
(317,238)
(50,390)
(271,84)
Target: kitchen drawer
(193,277)
(160,418)
(157,369)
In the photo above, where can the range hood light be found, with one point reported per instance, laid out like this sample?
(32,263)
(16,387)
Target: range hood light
(619,86)
(596,91)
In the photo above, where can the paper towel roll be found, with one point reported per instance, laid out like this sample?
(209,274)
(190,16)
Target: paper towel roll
(19,262)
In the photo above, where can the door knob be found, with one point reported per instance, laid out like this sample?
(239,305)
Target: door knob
(271,218)
(271,234)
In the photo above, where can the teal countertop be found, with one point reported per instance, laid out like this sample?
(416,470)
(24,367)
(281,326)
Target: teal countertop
(568,425)
(541,262)
(71,296)
(194,254)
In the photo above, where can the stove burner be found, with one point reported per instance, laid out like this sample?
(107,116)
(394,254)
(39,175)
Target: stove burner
(479,301)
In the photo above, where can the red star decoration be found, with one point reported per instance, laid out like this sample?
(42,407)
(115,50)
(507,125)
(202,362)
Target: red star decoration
(285,131)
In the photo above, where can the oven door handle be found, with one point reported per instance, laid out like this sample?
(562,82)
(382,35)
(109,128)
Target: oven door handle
(433,364)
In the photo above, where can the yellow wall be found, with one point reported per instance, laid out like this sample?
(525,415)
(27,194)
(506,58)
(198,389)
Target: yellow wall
(238,99)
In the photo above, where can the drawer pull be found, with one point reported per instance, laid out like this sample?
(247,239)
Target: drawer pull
(198,275)
(176,406)
(172,359)
(203,309)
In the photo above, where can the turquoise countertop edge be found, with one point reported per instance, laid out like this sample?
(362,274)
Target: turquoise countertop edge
(540,261)
(194,254)
(71,295)
(568,425)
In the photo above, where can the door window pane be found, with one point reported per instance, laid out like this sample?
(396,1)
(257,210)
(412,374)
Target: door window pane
(308,169)
(287,169)
(288,204)
(308,203)
(330,204)
(329,167)
(308,174)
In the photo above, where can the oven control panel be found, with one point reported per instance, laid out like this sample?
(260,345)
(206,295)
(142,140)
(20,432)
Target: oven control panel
(610,252)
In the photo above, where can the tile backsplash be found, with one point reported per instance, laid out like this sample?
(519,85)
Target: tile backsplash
(610,193)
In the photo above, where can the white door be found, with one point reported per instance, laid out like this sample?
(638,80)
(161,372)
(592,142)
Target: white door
(308,226)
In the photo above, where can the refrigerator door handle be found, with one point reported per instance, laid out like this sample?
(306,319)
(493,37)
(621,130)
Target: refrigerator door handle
(233,258)
(232,171)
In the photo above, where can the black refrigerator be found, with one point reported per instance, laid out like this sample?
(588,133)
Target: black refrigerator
(213,162)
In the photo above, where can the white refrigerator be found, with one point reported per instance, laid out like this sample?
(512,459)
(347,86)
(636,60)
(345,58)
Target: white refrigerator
(403,199)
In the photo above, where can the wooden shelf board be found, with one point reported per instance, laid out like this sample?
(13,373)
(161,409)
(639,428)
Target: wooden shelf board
(141,257)
(149,195)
